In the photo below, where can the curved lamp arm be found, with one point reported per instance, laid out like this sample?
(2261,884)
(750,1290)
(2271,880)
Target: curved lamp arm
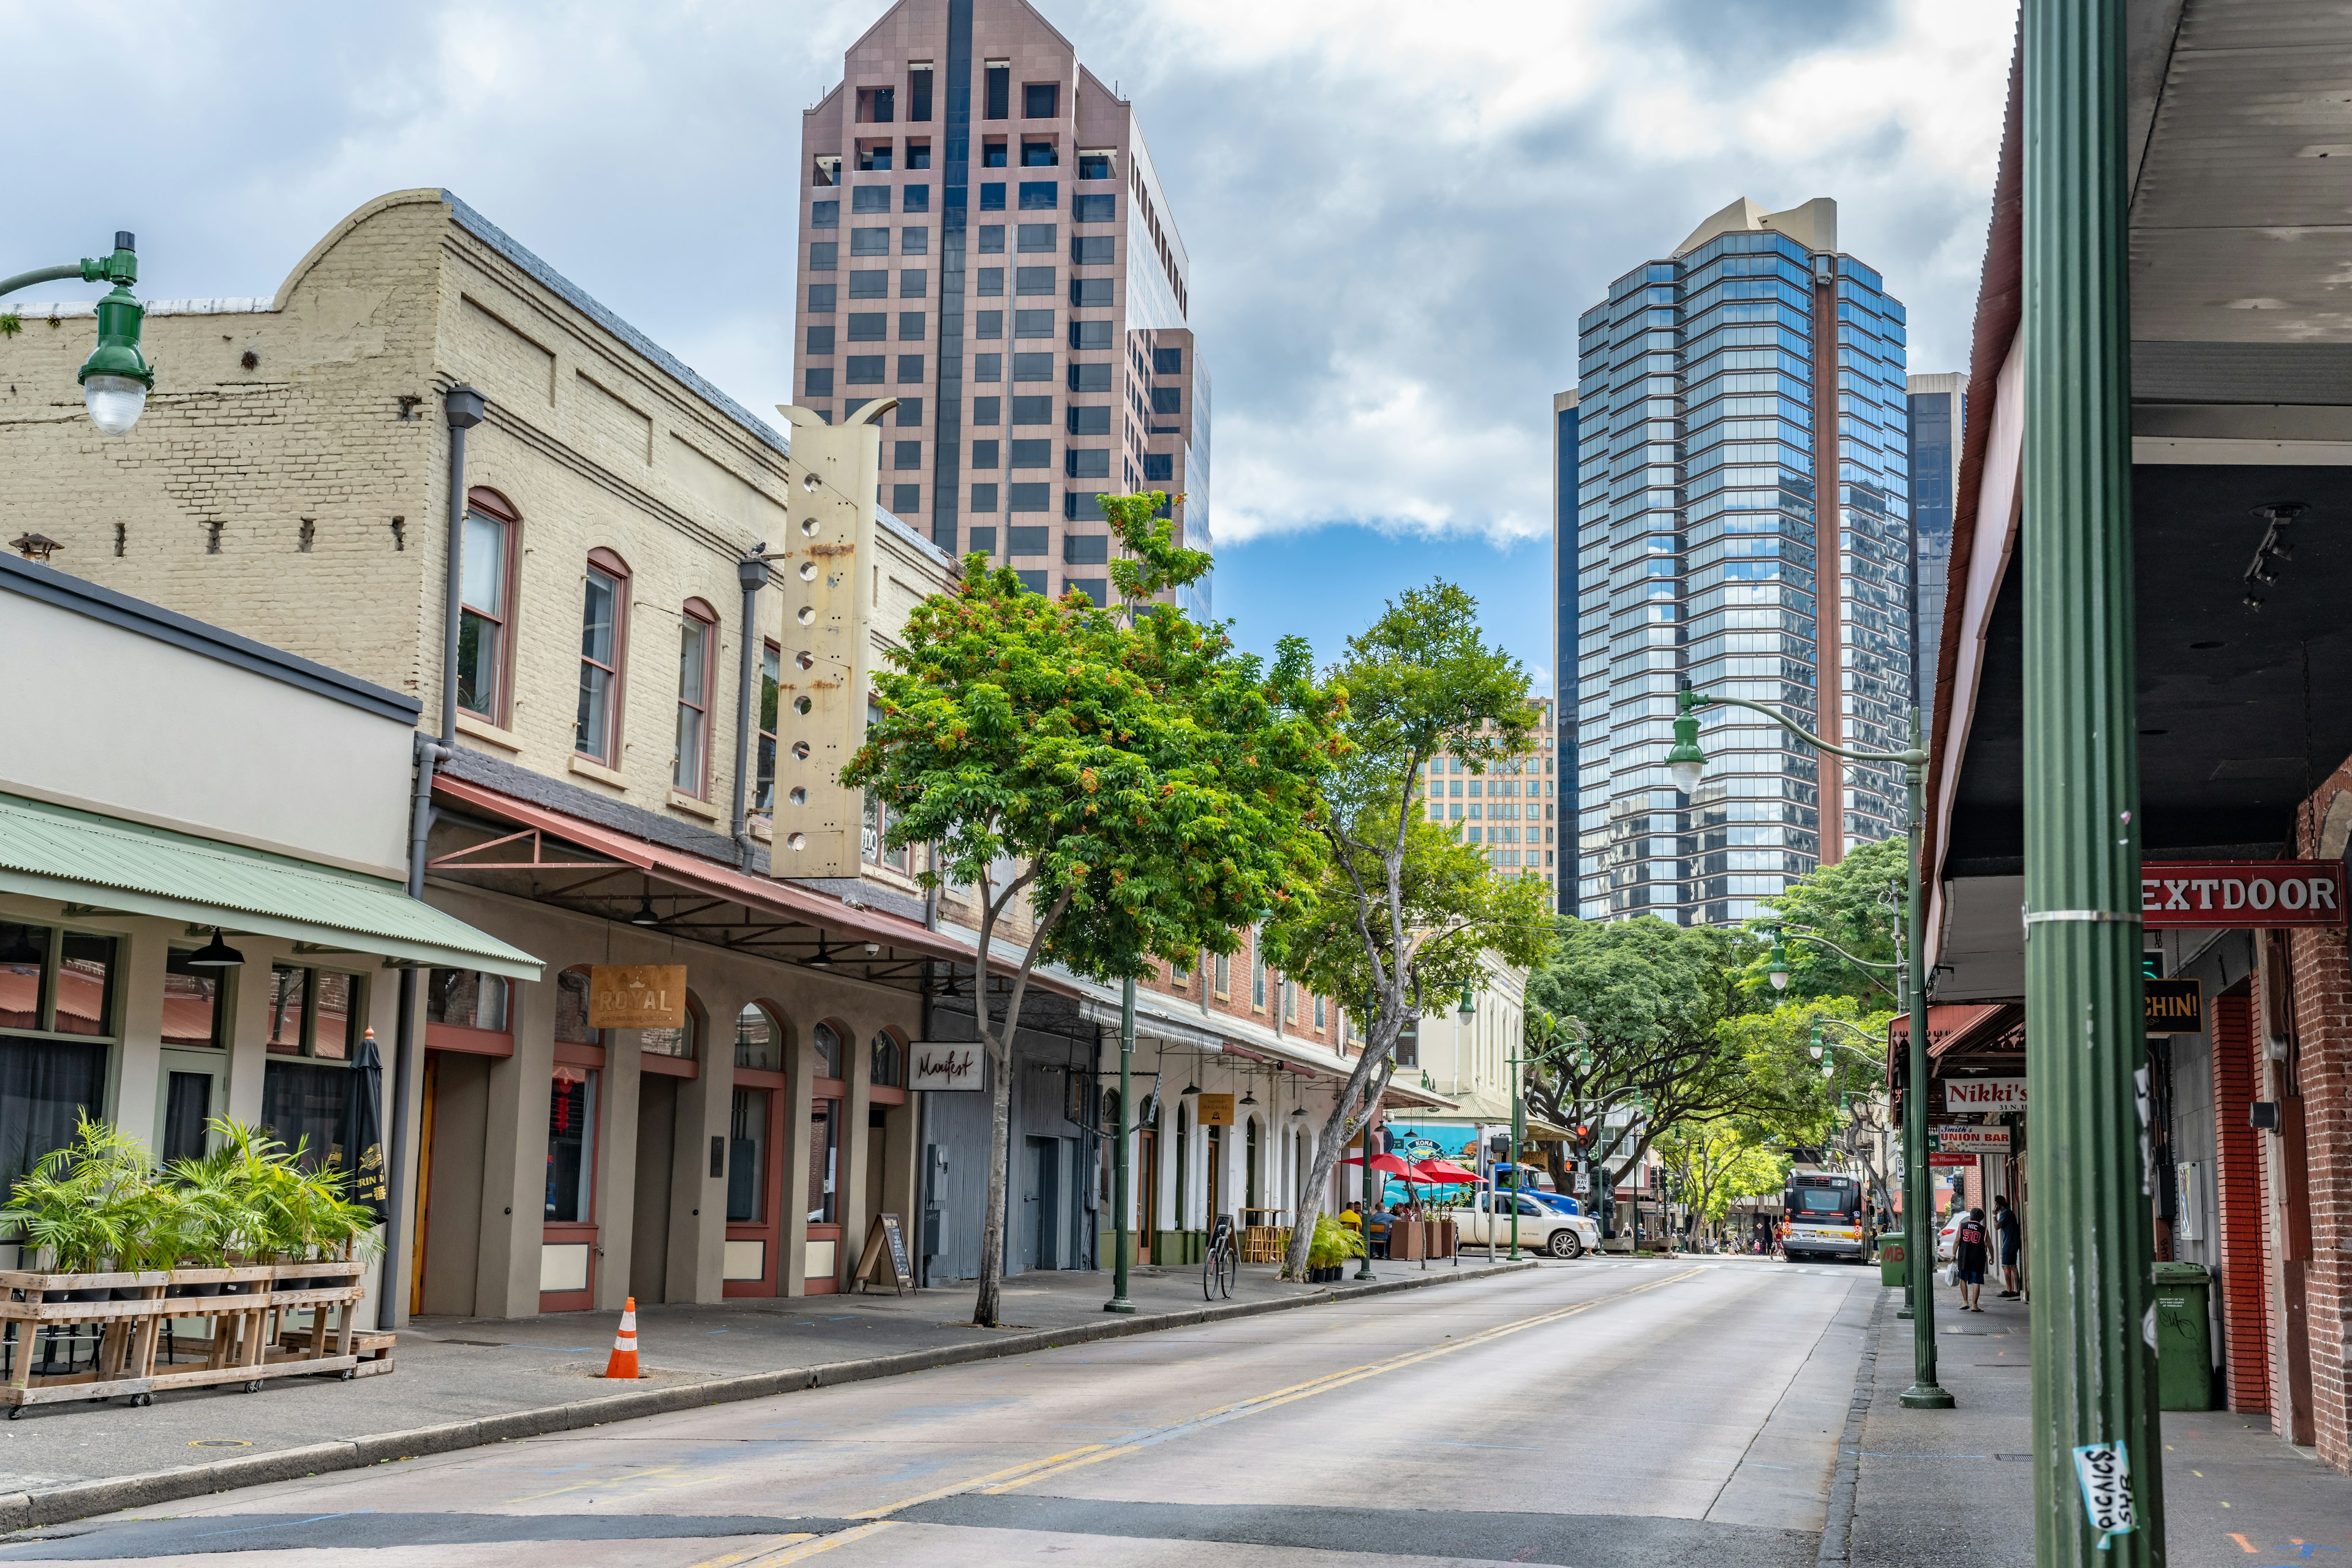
(1824,942)
(1692,699)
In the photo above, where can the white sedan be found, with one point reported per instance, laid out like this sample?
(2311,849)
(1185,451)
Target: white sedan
(1542,1228)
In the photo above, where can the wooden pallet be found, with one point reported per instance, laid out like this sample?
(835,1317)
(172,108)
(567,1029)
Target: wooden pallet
(239,1329)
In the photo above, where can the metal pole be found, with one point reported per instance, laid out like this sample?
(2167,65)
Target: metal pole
(1518,1124)
(1919,1245)
(1118,1159)
(2092,1236)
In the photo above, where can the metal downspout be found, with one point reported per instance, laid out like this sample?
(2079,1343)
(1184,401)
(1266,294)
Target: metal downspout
(464,407)
(751,572)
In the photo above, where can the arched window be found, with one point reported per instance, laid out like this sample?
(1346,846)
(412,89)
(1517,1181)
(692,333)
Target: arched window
(485,600)
(684,1042)
(758,1040)
(697,652)
(889,1061)
(828,1050)
(571,1010)
(604,643)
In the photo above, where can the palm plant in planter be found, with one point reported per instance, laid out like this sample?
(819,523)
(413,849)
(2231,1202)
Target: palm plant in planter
(1333,1244)
(249,1201)
(83,1208)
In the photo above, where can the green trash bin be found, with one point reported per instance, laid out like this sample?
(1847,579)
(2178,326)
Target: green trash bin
(2184,1337)
(1890,1269)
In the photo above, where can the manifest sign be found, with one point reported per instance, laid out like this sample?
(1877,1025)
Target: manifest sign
(2249,894)
(944,1065)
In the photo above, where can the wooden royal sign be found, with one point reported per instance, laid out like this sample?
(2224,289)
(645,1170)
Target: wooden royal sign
(2246,894)
(636,996)
(2175,1006)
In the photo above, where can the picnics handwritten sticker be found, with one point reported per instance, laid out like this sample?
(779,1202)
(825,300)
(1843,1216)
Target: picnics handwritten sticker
(2104,1470)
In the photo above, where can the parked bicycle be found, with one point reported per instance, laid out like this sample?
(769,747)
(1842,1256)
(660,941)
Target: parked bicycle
(1221,1262)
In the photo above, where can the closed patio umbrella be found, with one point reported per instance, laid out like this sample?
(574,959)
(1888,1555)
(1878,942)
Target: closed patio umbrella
(362,1131)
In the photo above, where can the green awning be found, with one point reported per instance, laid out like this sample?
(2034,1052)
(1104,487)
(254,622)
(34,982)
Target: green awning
(80,858)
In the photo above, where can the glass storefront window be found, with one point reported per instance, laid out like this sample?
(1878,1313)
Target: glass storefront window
(571,1010)
(85,989)
(889,1061)
(828,1050)
(571,1144)
(194,1010)
(684,1042)
(747,1157)
(331,1026)
(303,1106)
(825,1159)
(758,1042)
(468,999)
(288,990)
(24,965)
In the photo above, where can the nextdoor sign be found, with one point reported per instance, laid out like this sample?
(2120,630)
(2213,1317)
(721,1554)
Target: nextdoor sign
(2251,894)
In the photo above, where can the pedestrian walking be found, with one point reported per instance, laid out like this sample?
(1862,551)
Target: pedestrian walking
(2005,1230)
(1968,1250)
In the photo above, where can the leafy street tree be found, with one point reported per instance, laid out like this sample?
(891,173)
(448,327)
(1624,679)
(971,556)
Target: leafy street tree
(1650,998)
(1806,1103)
(1717,1164)
(1144,788)
(1856,905)
(1396,921)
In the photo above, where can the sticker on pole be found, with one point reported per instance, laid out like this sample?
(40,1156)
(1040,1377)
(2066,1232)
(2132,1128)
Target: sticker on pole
(2104,1470)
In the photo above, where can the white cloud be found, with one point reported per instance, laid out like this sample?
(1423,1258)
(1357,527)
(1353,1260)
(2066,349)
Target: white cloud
(1394,210)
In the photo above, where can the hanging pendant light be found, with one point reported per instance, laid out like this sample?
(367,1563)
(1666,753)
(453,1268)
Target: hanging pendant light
(1249,1095)
(215,954)
(645,916)
(824,959)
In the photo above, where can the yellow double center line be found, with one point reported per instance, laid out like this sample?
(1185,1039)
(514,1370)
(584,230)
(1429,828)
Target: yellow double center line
(1022,1474)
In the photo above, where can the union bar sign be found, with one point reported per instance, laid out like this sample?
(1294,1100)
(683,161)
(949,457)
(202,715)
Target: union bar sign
(2241,893)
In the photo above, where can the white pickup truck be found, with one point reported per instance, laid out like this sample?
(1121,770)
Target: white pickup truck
(1542,1228)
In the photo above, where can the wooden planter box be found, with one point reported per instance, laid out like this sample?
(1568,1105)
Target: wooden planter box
(230,1326)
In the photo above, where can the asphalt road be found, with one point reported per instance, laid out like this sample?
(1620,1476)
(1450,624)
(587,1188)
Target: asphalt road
(1592,1413)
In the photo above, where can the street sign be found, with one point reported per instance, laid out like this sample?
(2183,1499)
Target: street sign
(943,1064)
(1984,1094)
(1951,1159)
(2175,1006)
(1583,1179)
(2246,894)
(636,996)
(1970,1141)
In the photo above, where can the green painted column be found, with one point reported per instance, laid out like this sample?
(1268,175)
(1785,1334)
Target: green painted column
(1918,1193)
(2088,1224)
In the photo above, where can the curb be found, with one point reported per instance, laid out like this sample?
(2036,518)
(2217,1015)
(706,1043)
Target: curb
(1837,1529)
(82,1499)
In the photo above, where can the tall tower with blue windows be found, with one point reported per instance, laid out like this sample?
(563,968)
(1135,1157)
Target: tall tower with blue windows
(1741,520)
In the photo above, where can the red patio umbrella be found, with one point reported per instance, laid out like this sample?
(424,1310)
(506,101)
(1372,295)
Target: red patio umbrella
(1444,1173)
(1389,1163)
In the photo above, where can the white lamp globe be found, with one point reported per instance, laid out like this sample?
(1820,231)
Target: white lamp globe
(115,401)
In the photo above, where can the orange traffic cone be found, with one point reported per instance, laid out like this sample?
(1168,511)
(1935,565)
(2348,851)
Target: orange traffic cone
(624,1362)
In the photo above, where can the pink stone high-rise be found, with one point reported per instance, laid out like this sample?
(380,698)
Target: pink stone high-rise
(983,237)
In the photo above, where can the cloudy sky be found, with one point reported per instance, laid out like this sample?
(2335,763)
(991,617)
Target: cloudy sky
(1393,219)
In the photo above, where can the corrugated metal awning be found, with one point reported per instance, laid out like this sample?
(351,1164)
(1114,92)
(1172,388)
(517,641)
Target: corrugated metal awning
(78,856)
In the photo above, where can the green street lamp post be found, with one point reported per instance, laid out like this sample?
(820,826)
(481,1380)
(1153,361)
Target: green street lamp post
(1118,1301)
(1685,765)
(116,378)
(2098,1478)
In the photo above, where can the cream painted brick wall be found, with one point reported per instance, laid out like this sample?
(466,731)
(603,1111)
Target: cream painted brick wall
(594,445)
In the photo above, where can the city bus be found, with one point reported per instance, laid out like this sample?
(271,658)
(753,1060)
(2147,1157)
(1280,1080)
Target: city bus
(1821,1216)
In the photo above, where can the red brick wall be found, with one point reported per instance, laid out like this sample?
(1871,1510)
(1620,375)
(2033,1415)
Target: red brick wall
(2240,1189)
(2322,1065)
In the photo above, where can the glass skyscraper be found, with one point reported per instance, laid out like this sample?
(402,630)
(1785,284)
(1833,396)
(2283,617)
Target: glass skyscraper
(1723,394)
(1938,416)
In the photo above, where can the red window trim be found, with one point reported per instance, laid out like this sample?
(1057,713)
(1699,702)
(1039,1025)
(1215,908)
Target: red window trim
(699,611)
(668,1066)
(491,504)
(472,1042)
(575,1055)
(611,566)
(882,1094)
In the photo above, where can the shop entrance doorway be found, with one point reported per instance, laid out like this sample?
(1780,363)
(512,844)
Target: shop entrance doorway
(649,1218)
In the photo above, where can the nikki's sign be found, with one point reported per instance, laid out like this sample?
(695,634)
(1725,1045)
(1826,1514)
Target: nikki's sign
(2241,893)
(1984,1094)
(943,1064)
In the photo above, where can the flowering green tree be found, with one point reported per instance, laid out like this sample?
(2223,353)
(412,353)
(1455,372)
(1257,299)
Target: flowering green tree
(1144,789)
(1396,921)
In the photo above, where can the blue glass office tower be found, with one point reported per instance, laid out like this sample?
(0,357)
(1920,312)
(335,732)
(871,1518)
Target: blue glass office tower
(1742,516)
(1938,416)
(1564,554)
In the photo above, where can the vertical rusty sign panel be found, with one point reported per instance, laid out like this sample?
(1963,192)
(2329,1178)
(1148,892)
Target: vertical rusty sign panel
(822,631)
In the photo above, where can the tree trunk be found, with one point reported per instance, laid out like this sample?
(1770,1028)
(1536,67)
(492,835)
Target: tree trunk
(988,1304)
(1377,1052)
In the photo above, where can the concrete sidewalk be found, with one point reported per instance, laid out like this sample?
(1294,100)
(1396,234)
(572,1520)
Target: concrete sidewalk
(460,1383)
(1955,1487)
